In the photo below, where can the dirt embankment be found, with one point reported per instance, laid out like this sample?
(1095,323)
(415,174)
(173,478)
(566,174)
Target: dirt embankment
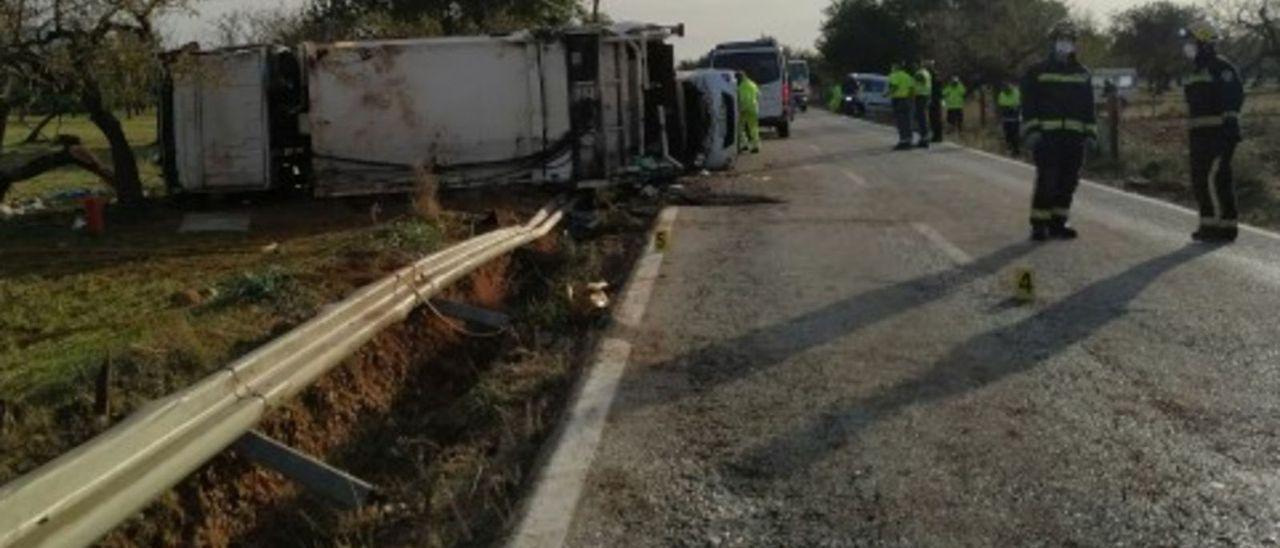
(444,419)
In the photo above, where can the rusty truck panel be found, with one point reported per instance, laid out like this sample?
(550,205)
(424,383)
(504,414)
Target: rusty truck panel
(470,109)
(215,150)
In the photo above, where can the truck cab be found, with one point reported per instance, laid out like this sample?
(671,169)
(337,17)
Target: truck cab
(798,71)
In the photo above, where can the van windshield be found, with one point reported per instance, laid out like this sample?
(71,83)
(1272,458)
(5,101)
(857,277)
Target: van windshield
(762,66)
(872,86)
(799,72)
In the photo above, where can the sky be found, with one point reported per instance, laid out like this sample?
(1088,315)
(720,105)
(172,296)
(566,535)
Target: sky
(794,22)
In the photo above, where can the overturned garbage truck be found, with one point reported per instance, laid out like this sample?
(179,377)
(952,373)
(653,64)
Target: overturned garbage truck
(581,106)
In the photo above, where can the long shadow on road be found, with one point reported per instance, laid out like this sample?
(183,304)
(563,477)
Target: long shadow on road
(763,348)
(977,362)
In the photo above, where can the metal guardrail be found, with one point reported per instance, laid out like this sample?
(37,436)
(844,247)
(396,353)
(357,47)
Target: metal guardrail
(80,496)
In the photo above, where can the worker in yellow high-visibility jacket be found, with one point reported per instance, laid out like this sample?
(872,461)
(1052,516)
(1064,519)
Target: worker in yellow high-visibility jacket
(902,91)
(1009,102)
(924,95)
(749,112)
(953,100)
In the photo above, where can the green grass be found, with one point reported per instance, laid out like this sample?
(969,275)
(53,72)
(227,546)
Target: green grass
(71,300)
(140,129)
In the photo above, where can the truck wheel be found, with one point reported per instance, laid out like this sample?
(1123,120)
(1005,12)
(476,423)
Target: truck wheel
(784,130)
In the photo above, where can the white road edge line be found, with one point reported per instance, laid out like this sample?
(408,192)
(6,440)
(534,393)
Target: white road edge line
(1114,190)
(954,252)
(1094,184)
(548,512)
(858,181)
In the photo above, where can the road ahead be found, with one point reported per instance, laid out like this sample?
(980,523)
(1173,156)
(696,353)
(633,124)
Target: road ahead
(847,368)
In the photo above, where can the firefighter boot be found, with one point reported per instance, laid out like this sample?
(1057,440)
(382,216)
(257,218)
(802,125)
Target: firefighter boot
(1059,230)
(1039,232)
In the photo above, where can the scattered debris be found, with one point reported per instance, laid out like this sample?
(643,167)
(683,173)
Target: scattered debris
(214,222)
(186,298)
(599,298)
(209,293)
(79,223)
(588,298)
(272,247)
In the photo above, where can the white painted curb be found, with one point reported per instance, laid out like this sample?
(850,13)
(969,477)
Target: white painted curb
(548,512)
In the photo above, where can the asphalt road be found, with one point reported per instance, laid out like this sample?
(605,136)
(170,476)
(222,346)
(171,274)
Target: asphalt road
(848,367)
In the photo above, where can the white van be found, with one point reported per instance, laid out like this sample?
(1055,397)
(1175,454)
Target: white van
(763,62)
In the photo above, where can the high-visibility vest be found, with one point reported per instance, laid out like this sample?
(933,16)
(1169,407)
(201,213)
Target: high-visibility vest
(748,96)
(901,85)
(1009,98)
(924,83)
(953,96)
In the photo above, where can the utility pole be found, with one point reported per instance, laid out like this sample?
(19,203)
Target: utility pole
(595,11)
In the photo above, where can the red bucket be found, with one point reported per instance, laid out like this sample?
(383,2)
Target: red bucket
(95,217)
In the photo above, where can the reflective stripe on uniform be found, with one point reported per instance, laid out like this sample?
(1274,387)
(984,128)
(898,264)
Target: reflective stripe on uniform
(1061,212)
(1211,222)
(1199,122)
(1201,78)
(1230,114)
(1062,125)
(1050,77)
(1041,215)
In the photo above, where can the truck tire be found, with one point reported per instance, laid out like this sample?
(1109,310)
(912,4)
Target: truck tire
(784,130)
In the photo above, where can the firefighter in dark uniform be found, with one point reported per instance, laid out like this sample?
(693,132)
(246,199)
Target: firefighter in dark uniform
(1214,98)
(1059,122)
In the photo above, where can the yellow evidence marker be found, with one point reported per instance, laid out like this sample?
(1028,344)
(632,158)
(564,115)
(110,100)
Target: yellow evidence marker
(1024,285)
(661,240)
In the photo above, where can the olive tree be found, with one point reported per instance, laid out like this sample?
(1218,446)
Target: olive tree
(102,53)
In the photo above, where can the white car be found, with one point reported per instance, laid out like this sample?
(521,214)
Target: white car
(709,103)
(763,62)
(872,95)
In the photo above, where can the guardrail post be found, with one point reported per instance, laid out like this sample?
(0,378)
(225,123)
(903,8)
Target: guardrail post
(472,314)
(334,485)
(102,390)
(1113,124)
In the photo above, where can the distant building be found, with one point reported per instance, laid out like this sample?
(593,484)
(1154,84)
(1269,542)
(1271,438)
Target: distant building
(1124,79)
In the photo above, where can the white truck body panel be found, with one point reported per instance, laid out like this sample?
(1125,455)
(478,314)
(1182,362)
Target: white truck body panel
(221,125)
(379,108)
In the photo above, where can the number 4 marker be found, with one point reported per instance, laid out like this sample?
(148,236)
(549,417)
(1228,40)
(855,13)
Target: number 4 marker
(1024,285)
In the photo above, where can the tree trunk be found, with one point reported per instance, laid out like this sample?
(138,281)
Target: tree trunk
(5,106)
(72,154)
(34,135)
(127,183)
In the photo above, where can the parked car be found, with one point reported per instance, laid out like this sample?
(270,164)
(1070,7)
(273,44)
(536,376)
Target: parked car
(866,93)
(763,62)
(798,71)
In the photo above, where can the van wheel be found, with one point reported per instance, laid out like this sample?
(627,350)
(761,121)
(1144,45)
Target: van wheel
(784,130)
